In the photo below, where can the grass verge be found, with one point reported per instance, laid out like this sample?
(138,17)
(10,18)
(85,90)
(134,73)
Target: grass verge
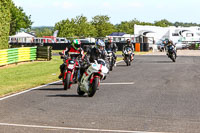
(23,76)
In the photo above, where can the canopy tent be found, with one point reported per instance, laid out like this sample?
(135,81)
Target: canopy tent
(23,34)
(22,37)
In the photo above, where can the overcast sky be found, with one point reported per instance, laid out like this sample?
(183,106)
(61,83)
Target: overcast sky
(49,12)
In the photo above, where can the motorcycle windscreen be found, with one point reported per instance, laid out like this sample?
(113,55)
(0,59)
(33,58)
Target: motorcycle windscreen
(101,62)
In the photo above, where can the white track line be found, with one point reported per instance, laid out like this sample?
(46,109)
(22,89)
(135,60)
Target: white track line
(127,83)
(28,90)
(77,129)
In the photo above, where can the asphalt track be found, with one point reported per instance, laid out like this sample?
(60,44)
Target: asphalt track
(152,95)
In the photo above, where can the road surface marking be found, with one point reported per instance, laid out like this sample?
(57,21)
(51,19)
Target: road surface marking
(127,83)
(28,90)
(77,129)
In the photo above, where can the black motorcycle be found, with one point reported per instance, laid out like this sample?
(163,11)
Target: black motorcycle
(171,53)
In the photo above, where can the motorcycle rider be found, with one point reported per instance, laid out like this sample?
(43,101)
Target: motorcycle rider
(130,45)
(74,50)
(167,43)
(98,52)
(112,47)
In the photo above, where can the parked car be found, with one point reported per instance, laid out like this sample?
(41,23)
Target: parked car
(160,46)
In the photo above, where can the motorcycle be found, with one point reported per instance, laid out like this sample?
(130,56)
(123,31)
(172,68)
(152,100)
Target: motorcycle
(90,80)
(71,71)
(171,53)
(111,60)
(127,54)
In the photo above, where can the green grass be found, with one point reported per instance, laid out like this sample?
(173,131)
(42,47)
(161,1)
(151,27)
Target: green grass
(23,76)
(56,51)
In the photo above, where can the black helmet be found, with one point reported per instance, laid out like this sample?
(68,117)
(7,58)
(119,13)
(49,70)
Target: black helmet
(128,41)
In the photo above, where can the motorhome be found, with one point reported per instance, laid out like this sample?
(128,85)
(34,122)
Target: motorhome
(176,34)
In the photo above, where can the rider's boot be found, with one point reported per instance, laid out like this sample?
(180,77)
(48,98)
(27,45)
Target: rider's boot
(60,76)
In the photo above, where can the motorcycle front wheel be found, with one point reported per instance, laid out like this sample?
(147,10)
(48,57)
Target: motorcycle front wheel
(128,61)
(67,81)
(173,57)
(111,65)
(93,88)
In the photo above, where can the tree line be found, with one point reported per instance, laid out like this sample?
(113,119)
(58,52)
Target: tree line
(100,26)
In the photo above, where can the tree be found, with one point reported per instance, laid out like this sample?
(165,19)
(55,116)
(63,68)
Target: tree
(83,27)
(102,25)
(163,23)
(125,26)
(19,19)
(4,22)
(43,31)
(76,27)
(128,26)
(66,28)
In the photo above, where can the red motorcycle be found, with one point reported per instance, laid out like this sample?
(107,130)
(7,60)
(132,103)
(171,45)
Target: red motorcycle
(71,72)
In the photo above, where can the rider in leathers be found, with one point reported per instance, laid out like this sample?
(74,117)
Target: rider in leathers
(98,52)
(74,50)
(112,47)
(95,53)
(129,44)
(167,43)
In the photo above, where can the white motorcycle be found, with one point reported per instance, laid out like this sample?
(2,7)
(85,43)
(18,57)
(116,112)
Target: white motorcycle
(91,78)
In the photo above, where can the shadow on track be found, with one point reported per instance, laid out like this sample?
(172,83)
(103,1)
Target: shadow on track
(66,95)
(163,62)
(153,62)
(51,89)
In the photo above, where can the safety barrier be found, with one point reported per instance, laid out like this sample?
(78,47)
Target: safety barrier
(137,47)
(44,52)
(14,55)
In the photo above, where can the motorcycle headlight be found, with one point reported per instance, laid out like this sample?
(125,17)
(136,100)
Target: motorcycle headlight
(71,66)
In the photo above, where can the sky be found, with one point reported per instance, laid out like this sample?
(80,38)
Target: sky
(49,12)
